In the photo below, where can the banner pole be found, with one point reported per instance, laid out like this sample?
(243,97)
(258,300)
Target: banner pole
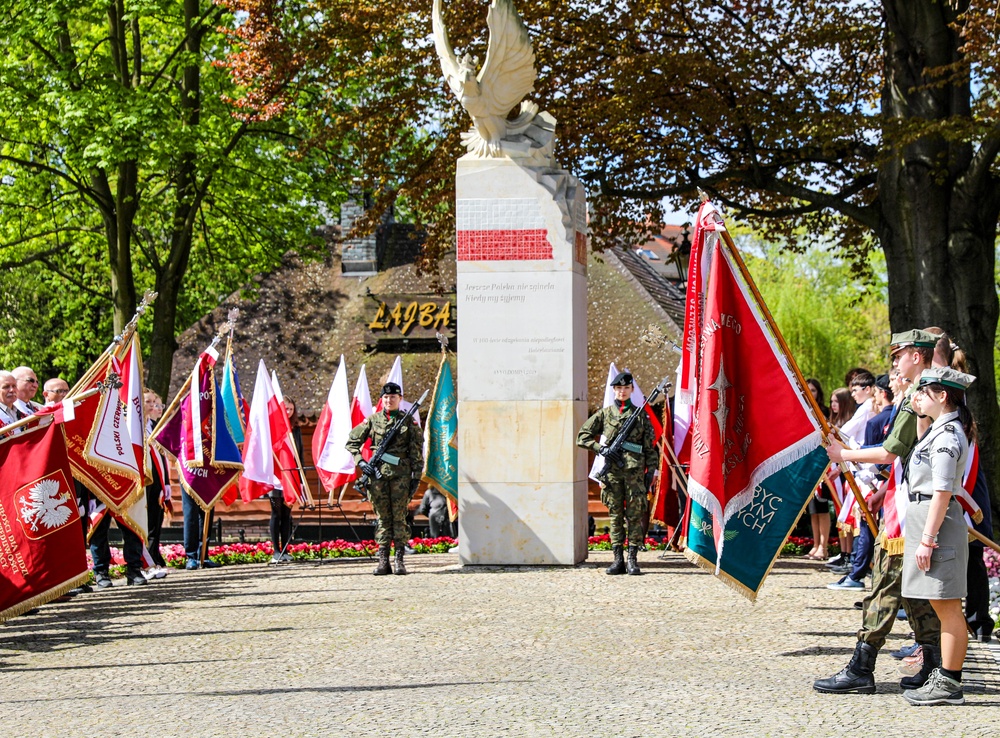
(803,387)
(204,538)
(983,539)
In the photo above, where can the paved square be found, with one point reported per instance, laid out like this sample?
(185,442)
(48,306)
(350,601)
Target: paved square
(328,650)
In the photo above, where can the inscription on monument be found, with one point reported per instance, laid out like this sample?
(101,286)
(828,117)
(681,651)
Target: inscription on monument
(521,332)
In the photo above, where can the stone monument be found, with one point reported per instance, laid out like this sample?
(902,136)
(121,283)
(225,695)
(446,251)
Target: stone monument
(522,302)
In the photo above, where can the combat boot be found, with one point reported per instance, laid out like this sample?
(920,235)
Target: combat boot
(931,660)
(633,564)
(618,567)
(383,562)
(399,568)
(858,677)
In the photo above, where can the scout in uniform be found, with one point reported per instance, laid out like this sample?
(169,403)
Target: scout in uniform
(936,558)
(912,352)
(401,467)
(624,491)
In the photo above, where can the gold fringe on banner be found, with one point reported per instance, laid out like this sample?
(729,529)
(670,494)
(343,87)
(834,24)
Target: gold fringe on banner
(44,598)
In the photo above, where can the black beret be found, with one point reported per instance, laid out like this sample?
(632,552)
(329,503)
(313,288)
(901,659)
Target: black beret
(622,380)
(391,388)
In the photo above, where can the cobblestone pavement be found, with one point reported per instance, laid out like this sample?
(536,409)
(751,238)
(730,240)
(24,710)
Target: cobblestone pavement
(328,650)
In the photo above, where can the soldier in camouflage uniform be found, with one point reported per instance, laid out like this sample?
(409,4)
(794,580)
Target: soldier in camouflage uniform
(625,489)
(912,352)
(401,467)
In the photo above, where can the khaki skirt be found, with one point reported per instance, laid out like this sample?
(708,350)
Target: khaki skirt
(946,579)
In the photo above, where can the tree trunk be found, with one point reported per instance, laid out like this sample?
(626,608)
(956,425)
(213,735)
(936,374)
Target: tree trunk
(163,344)
(170,275)
(938,212)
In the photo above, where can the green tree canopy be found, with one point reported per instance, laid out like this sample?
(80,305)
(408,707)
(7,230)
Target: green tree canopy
(124,168)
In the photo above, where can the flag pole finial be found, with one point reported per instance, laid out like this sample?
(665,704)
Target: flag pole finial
(443,340)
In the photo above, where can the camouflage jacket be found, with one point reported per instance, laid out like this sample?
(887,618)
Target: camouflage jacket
(641,452)
(403,457)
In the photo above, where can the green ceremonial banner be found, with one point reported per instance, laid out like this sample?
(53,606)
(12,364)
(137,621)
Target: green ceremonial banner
(756,534)
(440,452)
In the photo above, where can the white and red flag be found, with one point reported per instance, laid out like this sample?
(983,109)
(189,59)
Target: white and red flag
(396,375)
(361,409)
(706,237)
(131,396)
(258,455)
(750,417)
(334,463)
(286,455)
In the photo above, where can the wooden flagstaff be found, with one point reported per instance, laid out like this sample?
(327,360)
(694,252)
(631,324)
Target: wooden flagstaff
(41,417)
(803,388)
(983,539)
(204,536)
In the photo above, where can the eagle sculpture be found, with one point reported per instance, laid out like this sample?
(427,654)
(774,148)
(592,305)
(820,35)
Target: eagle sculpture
(507,76)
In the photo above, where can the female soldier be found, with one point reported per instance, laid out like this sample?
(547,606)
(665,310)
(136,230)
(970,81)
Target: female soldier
(936,553)
(624,491)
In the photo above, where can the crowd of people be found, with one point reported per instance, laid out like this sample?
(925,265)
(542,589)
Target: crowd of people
(143,563)
(907,429)
(915,417)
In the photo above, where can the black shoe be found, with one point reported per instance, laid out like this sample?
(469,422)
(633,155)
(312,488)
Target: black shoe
(399,569)
(102,580)
(859,606)
(135,578)
(383,567)
(838,560)
(931,660)
(209,564)
(632,565)
(618,567)
(858,677)
(983,636)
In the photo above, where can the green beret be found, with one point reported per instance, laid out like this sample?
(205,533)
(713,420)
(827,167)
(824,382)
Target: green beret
(916,337)
(946,376)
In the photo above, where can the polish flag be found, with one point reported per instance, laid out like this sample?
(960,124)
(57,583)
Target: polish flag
(396,375)
(131,396)
(334,462)
(361,409)
(258,457)
(289,465)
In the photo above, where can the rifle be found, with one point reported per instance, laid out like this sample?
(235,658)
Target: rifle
(373,463)
(614,451)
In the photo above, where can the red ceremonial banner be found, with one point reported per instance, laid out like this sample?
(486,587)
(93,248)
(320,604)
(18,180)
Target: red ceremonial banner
(41,540)
(750,421)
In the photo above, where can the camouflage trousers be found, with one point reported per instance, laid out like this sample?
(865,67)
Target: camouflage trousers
(625,497)
(390,498)
(884,601)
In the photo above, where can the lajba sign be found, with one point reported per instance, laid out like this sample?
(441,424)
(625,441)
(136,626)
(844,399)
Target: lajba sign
(404,317)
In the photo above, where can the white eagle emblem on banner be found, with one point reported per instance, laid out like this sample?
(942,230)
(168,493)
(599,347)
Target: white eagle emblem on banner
(45,506)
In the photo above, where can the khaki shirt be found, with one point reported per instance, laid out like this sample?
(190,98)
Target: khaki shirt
(903,434)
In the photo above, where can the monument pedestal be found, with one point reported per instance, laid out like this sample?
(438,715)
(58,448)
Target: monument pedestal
(522,357)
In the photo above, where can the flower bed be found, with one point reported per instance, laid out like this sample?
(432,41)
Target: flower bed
(992,559)
(801,545)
